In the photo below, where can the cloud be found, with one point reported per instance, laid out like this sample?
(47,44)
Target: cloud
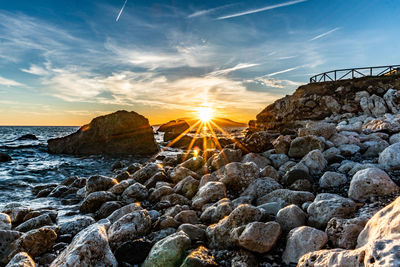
(35,70)
(122,9)
(237,67)
(324,34)
(283,71)
(207,11)
(8,82)
(260,9)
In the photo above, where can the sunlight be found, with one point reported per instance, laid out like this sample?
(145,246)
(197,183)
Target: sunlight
(205,114)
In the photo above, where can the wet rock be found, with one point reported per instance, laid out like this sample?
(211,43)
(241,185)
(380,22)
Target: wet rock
(145,173)
(187,216)
(126,133)
(219,234)
(75,224)
(261,187)
(117,165)
(200,257)
(210,192)
(5,222)
(133,252)
(226,156)
(238,176)
(21,259)
(107,209)
(129,227)
(282,144)
(332,179)
(187,187)
(5,157)
(180,173)
(94,201)
(300,146)
(258,159)
(320,128)
(371,182)
(287,196)
(343,233)
(389,159)
(291,217)
(259,237)
(168,252)
(194,232)
(34,223)
(59,191)
(135,192)
(7,237)
(99,183)
(16,212)
(217,211)
(88,248)
(302,240)
(119,188)
(34,242)
(326,206)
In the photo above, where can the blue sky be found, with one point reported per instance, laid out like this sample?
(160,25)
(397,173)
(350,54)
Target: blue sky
(64,62)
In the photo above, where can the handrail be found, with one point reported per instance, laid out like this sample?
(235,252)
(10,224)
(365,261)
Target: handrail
(355,73)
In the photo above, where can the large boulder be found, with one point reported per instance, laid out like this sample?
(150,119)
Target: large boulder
(300,146)
(173,129)
(389,158)
(210,192)
(321,128)
(21,259)
(238,176)
(121,132)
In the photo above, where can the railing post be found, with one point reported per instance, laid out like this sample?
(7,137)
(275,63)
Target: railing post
(370,71)
(335,75)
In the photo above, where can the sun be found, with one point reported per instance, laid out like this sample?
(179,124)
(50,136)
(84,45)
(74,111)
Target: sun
(205,114)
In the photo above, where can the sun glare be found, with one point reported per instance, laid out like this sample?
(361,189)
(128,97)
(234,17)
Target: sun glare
(205,114)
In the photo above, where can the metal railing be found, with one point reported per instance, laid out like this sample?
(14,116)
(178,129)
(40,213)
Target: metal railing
(342,74)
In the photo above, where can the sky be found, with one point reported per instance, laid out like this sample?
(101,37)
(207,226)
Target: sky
(66,62)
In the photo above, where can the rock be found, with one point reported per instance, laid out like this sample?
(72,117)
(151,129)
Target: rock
(99,183)
(16,213)
(324,129)
(34,242)
(373,105)
(107,209)
(187,187)
(343,233)
(272,208)
(27,137)
(129,227)
(88,248)
(21,259)
(5,157)
(145,173)
(281,144)
(219,234)
(326,206)
(176,199)
(168,251)
(34,223)
(300,146)
(179,173)
(333,257)
(5,222)
(278,160)
(200,257)
(389,159)
(133,252)
(135,192)
(348,150)
(392,98)
(121,132)
(302,185)
(394,139)
(217,211)
(94,201)
(302,240)
(314,161)
(261,187)
(270,171)
(75,224)
(353,127)
(371,182)
(194,232)
(210,192)
(193,163)
(238,176)
(259,237)
(7,237)
(389,123)
(298,172)
(226,156)
(187,216)
(374,148)
(291,217)
(119,188)
(287,196)
(173,129)
(258,159)
(332,179)
(259,141)
(158,193)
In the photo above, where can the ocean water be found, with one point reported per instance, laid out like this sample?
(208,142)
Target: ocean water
(33,165)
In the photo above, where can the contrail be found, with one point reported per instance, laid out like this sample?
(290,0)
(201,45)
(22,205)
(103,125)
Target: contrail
(120,12)
(324,34)
(261,9)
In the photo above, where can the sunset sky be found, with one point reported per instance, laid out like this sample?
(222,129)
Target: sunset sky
(65,62)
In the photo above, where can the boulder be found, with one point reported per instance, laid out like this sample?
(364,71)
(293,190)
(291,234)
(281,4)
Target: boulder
(332,179)
(371,182)
(321,128)
(21,259)
(75,224)
(261,187)
(187,216)
(195,233)
(217,211)
(281,144)
(300,146)
(187,187)
(179,173)
(27,137)
(193,163)
(302,240)
(200,257)
(258,159)
(332,257)
(286,196)
(5,157)
(389,158)
(168,252)
(145,173)
(278,160)
(88,248)
(326,206)
(210,192)
(291,217)
(392,99)
(343,233)
(7,237)
(5,222)
(121,132)
(259,141)
(94,201)
(34,223)
(99,183)
(135,192)
(238,176)
(133,252)
(373,105)
(226,156)
(173,129)
(314,161)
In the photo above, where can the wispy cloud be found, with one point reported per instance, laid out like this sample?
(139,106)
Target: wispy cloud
(120,12)
(248,12)
(8,82)
(282,71)
(207,11)
(237,67)
(35,70)
(324,34)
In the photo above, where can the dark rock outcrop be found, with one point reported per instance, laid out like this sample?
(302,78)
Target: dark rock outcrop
(122,132)
(28,137)
(4,157)
(173,129)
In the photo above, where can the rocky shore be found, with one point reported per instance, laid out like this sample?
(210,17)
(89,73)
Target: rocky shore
(301,189)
